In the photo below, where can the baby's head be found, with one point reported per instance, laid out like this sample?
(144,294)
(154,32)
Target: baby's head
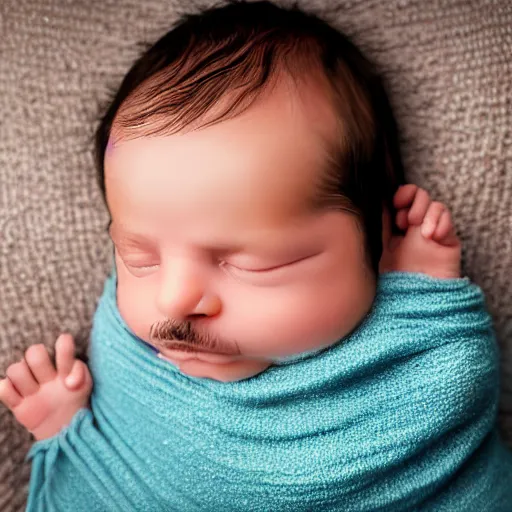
(245,160)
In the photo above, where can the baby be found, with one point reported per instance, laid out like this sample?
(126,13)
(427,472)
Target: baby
(285,326)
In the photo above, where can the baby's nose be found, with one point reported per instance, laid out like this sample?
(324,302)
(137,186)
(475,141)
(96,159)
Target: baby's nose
(183,293)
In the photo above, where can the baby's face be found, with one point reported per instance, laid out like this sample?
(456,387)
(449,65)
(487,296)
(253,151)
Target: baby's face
(212,227)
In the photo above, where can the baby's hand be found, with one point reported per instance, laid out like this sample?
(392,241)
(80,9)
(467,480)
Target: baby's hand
(430,245)
(44,399)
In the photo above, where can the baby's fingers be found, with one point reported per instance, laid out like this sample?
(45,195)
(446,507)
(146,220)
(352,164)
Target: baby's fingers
(77,375)
(64,354)
(419,208)
(437,225)
(8,394)
(414,200)
(431,219)
(445,231)
(401,219)
(40,364)
(404,196)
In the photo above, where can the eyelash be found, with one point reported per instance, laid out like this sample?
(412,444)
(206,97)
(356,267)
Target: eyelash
(222,264)
(266,270)
(140,268)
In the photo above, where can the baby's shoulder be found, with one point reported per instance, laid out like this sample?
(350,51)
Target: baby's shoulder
(418,296)
(440,326)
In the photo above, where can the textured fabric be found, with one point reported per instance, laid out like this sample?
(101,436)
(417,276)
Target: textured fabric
(448,67)
(399,415)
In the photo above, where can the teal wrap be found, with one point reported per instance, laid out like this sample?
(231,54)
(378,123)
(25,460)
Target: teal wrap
(399,415)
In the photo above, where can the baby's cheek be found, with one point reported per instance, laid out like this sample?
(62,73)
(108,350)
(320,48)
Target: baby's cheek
(287,323)
(133,312)
(317,324)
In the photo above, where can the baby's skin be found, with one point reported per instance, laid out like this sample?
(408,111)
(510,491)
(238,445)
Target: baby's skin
(44,397)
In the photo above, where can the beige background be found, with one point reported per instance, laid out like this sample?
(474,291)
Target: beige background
(448,66)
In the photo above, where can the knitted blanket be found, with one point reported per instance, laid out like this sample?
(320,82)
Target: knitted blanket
(447,66)
(399,415)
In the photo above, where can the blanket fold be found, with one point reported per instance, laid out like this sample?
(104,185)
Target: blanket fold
(399,415)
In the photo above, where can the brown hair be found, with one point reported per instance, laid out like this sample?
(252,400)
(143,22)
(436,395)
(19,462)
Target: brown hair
(227,56)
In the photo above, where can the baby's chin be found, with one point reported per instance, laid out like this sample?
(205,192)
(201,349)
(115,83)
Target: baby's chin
(224,368)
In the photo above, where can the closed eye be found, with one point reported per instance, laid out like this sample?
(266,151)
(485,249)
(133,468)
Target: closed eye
(134,270)
(267,269)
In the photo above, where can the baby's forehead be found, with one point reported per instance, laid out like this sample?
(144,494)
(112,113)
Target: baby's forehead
(274,153)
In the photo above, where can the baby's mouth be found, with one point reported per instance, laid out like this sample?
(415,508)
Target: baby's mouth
(182,349)
(187,354)
(182,346)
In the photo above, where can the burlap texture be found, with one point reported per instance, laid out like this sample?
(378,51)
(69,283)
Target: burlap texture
(449,71)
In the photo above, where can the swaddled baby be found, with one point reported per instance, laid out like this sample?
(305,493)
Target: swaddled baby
(285,326)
